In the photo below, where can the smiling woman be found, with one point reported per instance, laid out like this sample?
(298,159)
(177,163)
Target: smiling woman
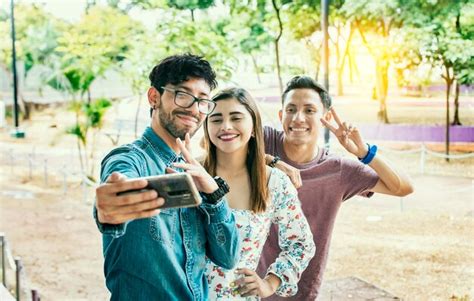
(259,196)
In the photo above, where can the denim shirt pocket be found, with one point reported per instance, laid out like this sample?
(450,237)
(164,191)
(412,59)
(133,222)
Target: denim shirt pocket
(163,226)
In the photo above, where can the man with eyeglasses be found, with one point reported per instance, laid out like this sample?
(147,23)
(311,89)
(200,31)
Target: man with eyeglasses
(160,255)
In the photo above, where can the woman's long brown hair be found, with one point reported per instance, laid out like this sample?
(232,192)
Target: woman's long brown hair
(255,163)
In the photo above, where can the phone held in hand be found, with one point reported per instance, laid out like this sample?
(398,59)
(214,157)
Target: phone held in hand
(178,190)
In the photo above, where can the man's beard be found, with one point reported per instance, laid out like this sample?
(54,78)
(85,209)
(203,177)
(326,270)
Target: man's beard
(167,121)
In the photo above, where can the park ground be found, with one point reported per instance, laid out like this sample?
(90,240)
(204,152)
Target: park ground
(420,247)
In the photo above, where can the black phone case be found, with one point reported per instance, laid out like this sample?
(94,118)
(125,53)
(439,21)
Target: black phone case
(177,189)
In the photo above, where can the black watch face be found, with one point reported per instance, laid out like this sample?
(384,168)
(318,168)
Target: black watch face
(222,184)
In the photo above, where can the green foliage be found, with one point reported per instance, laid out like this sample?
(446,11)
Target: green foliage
(3,15)
(89,116)
(95,112)
(36,36)
(371,15)
(245,30)
(201,38)
(190,4)
(126,5)
(450,28)
(92,46)
(139,60)
(303,20)
(79,131)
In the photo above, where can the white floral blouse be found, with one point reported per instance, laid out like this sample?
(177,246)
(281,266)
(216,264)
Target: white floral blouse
(296,242)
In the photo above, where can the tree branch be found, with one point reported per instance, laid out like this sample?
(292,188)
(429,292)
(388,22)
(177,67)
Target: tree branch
(364,40)
(280,23)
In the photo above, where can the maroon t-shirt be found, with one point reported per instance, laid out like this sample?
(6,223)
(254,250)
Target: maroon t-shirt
(328,180)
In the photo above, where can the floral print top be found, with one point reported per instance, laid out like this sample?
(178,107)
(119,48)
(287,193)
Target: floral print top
(295,239)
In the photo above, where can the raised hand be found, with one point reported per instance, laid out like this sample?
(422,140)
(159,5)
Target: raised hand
(204,182)
(347,134)
(114,209)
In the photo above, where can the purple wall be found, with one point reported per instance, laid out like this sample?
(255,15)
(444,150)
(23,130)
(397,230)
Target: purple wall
(420,133)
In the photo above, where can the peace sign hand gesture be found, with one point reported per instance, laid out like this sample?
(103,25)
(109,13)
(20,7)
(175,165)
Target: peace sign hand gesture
(204,182)
(348,135)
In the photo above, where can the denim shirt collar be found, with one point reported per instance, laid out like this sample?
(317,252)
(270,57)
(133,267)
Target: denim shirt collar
(165,152)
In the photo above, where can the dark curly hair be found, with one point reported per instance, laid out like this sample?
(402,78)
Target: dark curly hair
(306,82)
(176,69)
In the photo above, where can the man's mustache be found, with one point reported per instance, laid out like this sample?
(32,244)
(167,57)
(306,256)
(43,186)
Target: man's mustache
(186,113)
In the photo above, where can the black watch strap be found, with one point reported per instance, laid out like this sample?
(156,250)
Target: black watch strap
(274,161)
(217,195)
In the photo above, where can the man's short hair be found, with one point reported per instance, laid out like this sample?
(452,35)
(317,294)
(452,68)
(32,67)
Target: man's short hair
(306,82)
(176,69)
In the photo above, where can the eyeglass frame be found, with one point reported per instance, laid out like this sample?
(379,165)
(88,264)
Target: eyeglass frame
(195,99)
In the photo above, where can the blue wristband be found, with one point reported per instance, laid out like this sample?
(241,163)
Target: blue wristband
(370,154)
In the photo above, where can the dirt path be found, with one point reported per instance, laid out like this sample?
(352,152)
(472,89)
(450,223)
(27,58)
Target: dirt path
(424,252)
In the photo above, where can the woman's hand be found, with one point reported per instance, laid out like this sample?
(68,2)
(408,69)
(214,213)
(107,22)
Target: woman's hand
(250,284)
(204,182)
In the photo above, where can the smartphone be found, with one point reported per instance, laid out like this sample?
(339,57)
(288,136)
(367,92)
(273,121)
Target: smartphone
(178,190)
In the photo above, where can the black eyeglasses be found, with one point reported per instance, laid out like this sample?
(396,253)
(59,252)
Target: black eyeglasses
(186,100)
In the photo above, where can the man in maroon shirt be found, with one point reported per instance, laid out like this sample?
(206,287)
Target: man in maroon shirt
(327,180)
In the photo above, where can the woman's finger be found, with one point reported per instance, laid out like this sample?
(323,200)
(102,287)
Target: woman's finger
(187,143)
(184,151)
(170,170)
(245,271)
(247,288)
(182,165)
(253,292)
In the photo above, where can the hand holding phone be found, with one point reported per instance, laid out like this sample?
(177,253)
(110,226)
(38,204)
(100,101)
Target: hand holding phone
(178,190)
(114,209)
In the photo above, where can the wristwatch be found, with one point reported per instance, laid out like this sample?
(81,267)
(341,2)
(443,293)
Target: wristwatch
(274,161)
(217,195)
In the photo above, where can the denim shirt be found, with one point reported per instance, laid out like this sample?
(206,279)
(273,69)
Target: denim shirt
(163,257)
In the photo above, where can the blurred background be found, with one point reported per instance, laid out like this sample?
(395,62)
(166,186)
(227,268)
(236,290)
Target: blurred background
(401,70)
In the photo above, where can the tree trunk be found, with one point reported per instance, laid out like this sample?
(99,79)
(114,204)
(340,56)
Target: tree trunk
(192,14)
(381,75)
(89,96)
(81,161)
(456,120)
(255,66)
(381,87)
(340,88)
(341,64)
(449,82)
(277,41)
(315,53)
(277,54)
(24,107)
(137,113)
(341,61)
(316,76)
(92,155)
(352,67)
